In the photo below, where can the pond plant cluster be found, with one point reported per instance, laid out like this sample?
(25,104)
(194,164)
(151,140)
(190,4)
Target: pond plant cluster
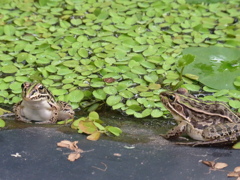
(121,53)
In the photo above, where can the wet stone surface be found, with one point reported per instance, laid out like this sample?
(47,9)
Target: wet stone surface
(30,152)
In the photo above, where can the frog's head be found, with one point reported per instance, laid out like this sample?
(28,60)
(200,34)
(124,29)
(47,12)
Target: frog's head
(174,101)
(35,92)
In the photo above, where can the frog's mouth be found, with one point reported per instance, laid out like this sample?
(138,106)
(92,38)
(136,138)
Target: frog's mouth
(33,98)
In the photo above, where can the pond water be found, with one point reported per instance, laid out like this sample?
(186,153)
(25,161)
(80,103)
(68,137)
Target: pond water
(145,130)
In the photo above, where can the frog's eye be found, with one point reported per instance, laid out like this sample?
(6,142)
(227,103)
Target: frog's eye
(171,97)
(23,85)
(40,87)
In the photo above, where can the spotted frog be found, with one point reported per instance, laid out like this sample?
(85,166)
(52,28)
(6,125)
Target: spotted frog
(39,105)
(208,122)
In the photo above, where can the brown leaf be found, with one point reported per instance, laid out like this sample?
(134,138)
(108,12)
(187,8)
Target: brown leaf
(237,169)
(232,174)
(209,163)
(94,137)
(73,156)
(220,165)
(109,80)
(68,144)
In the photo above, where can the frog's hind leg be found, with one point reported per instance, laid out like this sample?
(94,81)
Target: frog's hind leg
(218,135)
(227,131)
(66,111)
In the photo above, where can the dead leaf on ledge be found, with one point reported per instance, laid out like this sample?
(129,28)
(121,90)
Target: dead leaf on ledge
(235,173)
(68,144)
(74,156)
(215,166)
(237,169)
(73,146)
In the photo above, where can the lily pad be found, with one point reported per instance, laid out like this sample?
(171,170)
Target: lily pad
(217,67)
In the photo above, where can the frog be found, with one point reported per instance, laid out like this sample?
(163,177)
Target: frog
(39,105)
(206,122)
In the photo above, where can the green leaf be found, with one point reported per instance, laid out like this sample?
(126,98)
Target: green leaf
(75,96)
(135,107)
(114,130)
(146,112)
(65,122)
(234,103)
(75,123)
(9,69)
(156,113)
(93,116)
(237,81)
(113,100)
(71,63)
(110,90)
(152,77)
(236,146)
(185,60)
(43,2)
(59,92)
(138,70)
(126,94)
(150,51)
(9,30)
(83,52)
(99,94)
(2,123)
(99,126)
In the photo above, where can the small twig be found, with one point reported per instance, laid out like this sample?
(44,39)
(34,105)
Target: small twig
(105,169)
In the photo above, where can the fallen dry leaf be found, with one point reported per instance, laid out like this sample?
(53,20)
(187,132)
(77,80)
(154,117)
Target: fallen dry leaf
(73,156)
(209,163)
(73,146)
(233,174)
(220,165)
(68,144)
(76,154)
(215,166)
(237,169)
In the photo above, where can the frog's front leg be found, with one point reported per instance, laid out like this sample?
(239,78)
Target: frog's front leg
(17,109)
(176,131)
(55,112)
